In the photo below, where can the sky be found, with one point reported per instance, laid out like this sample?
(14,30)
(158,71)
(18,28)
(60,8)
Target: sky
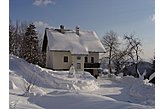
(101,16)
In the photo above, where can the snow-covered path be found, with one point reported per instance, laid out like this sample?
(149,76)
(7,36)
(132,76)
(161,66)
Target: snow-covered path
(82,101)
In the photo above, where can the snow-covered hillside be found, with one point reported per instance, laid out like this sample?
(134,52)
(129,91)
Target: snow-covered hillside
(55,90)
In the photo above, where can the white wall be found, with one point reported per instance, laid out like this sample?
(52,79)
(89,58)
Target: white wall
(95,55)
(58,61)
(75,61)
(55,60)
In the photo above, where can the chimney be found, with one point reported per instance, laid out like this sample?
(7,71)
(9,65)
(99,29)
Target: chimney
(62,29)
(77,30)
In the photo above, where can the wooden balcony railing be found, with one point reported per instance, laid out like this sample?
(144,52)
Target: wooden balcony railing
(91,65)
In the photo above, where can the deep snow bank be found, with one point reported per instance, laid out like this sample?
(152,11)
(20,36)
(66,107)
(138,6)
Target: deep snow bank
(139,89)
(18,85)
(48,78)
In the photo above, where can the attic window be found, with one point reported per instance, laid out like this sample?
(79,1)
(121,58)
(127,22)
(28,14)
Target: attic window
(65,58)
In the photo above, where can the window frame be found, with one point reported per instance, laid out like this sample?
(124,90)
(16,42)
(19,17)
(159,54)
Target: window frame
(92,59)
(65,59)
(86,59)
(78,66)
(78,57)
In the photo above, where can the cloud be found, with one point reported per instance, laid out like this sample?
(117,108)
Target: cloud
(43,2)
(41,24)
(40,27)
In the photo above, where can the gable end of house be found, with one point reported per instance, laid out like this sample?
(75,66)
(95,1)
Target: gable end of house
(45,42)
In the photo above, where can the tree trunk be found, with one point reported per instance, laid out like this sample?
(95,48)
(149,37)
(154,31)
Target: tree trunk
(110,54)
(137,58)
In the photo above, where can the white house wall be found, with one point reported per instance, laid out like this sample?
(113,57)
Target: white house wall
(55,60)
(81,61)
(95,55)
(49,59)
(58,60)
(96,60)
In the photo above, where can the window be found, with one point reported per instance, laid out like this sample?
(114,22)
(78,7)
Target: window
(78,65)
(92,59)
(78,58)
(86,59)
(65,58)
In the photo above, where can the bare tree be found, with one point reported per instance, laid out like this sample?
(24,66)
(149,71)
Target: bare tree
(21,34)
(119,61)
(42,54)
(11,37)
(133,50)
(29,85)
(16,35)
(110,42)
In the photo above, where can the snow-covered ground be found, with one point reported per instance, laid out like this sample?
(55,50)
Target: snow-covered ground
(55,90)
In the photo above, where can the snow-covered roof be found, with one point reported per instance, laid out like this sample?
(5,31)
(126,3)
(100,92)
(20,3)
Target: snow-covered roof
(86,41)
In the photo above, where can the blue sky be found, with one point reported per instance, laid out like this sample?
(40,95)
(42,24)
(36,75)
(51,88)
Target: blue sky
(121,16)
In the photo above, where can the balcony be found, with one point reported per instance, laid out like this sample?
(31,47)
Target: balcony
(91,65)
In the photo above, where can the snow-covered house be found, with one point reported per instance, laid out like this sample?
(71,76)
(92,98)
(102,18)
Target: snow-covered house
(65,47)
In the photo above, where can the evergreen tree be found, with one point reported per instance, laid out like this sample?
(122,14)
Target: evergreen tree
(30,45)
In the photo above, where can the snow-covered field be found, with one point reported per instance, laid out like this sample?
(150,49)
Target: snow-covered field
(55,90)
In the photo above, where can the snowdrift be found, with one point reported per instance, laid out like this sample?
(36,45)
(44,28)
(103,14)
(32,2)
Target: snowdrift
(48,78)
(139,90)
